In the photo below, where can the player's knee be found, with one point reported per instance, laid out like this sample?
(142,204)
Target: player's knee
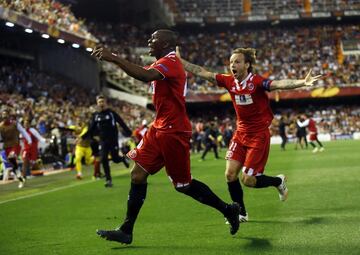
(138,175)
(231,175)
(249,181)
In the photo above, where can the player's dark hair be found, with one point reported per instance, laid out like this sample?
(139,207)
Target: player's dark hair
(98,97)
(249,56)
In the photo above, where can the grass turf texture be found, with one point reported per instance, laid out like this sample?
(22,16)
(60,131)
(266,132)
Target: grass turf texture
(321,216)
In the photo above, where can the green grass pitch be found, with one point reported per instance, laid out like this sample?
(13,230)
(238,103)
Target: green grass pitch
(59,215)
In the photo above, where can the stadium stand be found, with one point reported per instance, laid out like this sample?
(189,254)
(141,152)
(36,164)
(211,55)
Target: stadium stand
(236,8)
(52,13)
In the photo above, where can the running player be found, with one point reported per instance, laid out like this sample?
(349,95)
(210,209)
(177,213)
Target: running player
(167,142)
(249,148)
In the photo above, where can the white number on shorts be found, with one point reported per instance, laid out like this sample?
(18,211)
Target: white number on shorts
(232,146)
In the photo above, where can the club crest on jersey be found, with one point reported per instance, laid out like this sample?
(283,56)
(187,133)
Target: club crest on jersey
(132,154)
(229,154)
(250,86)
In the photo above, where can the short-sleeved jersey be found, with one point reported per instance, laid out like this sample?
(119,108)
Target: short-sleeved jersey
(169,95)
(250,101)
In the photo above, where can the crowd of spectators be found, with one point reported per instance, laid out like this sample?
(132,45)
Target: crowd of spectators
(282,53)
(235,8)
(50,12)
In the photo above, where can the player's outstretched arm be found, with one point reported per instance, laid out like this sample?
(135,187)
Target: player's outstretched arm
(195,69)
(293,84)
(131,69)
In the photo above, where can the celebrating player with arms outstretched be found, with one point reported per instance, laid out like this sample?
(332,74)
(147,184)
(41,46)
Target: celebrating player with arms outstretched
(249,148)
(167,142)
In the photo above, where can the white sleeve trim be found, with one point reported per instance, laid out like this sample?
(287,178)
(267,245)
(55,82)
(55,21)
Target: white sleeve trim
(23,132)
(305,123)
(37,135)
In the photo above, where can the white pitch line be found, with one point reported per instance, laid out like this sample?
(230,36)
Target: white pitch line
(45,192)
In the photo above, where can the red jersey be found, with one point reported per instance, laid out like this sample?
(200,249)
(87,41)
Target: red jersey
(250,101)
(169,95)
(34,141)
(312,126)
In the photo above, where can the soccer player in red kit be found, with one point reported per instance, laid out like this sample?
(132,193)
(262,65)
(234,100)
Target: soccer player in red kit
(249,148)
(10,130)
(167,142)
(311,126)
(30,150)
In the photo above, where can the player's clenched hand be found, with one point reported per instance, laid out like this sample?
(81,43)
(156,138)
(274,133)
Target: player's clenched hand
(309,80)
(102,53)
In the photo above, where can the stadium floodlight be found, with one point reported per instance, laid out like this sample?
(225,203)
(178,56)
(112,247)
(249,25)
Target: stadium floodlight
(9,24)
(75,45)
(28,30)
(89,49)
(45,36)
(61,41)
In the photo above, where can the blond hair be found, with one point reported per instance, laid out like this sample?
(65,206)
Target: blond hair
(249,56)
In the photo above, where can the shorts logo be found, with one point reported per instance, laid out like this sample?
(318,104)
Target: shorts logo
(229,154)
(132,154)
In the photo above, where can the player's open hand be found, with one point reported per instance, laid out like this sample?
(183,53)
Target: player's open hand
(102,53)
(309,80)
(178,52)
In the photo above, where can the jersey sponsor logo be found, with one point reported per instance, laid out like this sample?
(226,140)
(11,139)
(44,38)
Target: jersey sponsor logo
(132,154)
(243,99)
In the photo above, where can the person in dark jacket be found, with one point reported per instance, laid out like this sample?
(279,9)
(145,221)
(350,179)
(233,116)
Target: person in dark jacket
(211,135)
(282,131)
(103,124)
